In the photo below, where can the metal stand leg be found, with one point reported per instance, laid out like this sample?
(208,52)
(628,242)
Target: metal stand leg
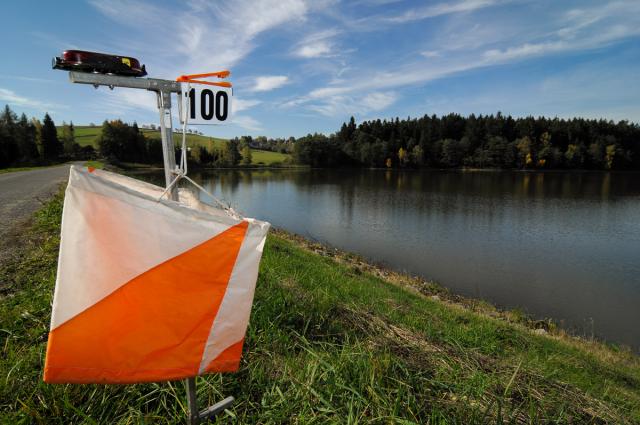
(196,417)
(192,401)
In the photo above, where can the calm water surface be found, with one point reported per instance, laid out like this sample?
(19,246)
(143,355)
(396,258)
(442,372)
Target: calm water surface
(554,244)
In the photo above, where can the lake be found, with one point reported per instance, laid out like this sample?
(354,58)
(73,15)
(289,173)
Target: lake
(564,245)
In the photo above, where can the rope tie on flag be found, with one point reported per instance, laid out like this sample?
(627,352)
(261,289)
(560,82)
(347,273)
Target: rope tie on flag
(181,170)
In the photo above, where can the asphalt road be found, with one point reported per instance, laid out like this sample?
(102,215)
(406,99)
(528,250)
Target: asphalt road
(21,194)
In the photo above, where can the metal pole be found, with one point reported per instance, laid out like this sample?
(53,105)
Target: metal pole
(192,401)
(169,156)
(168,148)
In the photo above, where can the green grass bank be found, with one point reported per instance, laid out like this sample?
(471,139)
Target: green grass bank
(331,340)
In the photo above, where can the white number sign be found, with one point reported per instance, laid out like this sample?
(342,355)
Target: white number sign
(206,104)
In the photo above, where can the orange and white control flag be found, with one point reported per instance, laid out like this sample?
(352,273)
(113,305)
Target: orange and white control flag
(148,290)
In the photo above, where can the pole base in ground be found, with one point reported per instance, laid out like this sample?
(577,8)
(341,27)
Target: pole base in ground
(196,417)
(212,411)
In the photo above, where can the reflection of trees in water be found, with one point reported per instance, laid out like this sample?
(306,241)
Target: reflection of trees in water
(407,192)
(228,181)
(605,187)
(423,190)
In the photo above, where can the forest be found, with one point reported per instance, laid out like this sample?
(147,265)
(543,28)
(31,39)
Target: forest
(31,142)
(483,141)
(26,142)
(122,142)
(449,141)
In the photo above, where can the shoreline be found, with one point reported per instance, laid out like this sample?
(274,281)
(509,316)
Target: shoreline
(435,291)
(158,167)
(331,336)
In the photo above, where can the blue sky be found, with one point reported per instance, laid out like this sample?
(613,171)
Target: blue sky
(305,66)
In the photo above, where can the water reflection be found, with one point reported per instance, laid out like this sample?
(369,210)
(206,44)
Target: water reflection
(562,245)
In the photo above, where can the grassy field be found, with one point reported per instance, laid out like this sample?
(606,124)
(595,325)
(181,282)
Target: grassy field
(87,136)
(84,135)
(94,164)
(331,340)
(259,157)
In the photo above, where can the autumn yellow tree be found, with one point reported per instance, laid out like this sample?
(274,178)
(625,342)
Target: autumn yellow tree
(403,158)
(523,145)
(574,155)
(417,155)
(610,154)
(545,150)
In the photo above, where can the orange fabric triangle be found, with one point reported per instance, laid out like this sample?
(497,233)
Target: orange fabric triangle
(228,360)
(154,327)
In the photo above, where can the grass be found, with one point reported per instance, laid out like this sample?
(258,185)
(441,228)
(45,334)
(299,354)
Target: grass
(95,164)
(259,157)
(84,135)
(331,340)
(88,135)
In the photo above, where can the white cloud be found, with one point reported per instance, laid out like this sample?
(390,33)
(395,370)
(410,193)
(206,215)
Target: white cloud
(316,45)
(120,100)
(414,73)
(441,9)
(587,29)
(375,2)
(430,53)
(623,24)
(131,12)
(246,122)
(524,50)
(344,105)
(242,105)
(12,98)
(220,34)
(199,35)
(377,101)
(28,79)
(314,50)
(612,94)
(271,82)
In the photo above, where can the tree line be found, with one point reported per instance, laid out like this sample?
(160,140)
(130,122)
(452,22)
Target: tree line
(280,145)
(29,142)
(449,141)
(483,141)
(122,142)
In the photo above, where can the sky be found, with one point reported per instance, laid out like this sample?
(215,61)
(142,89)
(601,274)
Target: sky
(303,66)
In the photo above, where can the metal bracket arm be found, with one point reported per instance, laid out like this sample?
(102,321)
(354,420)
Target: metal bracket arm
(152,84)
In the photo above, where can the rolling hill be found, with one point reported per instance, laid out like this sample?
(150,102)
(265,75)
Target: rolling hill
(88,135)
